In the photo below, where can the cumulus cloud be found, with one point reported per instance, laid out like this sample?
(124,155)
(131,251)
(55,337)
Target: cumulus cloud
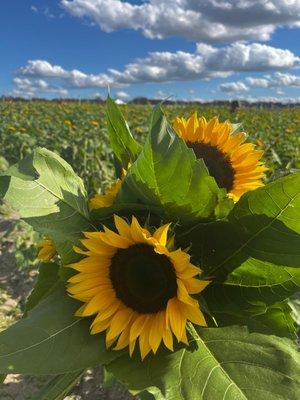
(257,82)
(205,63)
(74,78)
(278,81)
(233,87)
(206,20)
(122,95)
(28,88)
(42,68)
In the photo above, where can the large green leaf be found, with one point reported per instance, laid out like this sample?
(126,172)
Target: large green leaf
(229,306)
(48,279)
(125,147)
(50,340)
(168,175)
(59,386)
(50,197)
(221,363)
(253,259)
(258,250)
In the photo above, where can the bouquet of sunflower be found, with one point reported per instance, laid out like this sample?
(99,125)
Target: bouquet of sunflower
(176,280)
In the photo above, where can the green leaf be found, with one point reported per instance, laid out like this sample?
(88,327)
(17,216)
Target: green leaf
(270,219)
(229,306)
(47,280)
(50,197)
(125,147)
(294,303)
(59,386)
(50,340)
(221,363)
(168,175)
(258,250)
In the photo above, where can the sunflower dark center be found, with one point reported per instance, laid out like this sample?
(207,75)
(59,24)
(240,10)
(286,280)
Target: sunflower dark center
(143,279)
(217,163)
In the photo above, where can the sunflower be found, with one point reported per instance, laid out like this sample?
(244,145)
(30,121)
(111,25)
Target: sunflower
(107,199)
(234,164)
(46,250)
(138,288)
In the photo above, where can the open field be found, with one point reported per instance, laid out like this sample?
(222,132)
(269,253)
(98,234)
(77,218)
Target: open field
(77,131)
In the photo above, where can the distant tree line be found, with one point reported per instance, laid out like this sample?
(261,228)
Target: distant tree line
(233,105)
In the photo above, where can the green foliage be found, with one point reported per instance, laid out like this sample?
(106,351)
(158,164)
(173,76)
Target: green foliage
(253,258)
(219,363)
(50,197)
(50,340)
(48,279)
(78,132)
(167,175)
(125,147)
(249,251)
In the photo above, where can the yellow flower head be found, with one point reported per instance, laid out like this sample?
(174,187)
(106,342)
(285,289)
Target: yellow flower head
(46,250)
(137,288)
(234,164)
(107,199)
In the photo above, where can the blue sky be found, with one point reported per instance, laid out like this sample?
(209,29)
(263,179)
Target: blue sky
(213,49)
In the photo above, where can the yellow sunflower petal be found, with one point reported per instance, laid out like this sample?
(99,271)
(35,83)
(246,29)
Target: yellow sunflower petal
(144,344)
(195,285)
(138,233)
(176,319)
(183,295)
(107,199)
(113,239)
(137,326)
(119,322)
(168,338)
(161,234)
(123,227)
(194,314)
(100,326)
(156,331)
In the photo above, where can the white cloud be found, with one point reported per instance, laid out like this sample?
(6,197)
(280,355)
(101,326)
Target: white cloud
(207,62)
(206,20)
(28,88)
(257,82)
(34,9)
(233,87)
(277,80)
(269,99)
(122,95)
(74,78)
(42,68)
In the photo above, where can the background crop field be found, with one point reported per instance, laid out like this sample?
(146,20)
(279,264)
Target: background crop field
(77,131)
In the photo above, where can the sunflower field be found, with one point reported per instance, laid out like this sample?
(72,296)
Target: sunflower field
(167,248)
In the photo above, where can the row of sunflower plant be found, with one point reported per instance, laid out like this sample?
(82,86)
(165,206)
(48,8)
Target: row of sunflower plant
(176,280)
